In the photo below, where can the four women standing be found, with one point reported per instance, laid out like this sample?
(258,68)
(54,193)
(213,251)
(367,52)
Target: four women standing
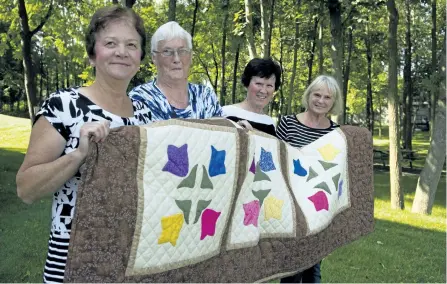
(71,119)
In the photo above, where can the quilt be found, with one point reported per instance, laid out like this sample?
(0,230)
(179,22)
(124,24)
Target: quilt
(206,201)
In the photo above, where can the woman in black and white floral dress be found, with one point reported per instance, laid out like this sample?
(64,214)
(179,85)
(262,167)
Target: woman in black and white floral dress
(71,119)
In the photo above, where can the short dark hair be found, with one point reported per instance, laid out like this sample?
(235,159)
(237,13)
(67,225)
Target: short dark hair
(263,68)
(103,17)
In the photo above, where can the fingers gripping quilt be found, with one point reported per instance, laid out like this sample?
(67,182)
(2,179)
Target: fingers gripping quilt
(206,196)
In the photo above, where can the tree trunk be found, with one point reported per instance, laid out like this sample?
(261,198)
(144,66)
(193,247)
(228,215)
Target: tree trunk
(281,104)
(271,21)
(380,116)
(320,49)
(434,163)
(129,3)
(216,67)
(320,40)
(194,19)
(57,75)
(67,74)
(346,72)
(236,62)
(310,60)
(397,197)
(223,87)
(434,66)
(408,90)
(295,60)
(41,73)
(334,7)
(249,29)
(264,27)
(28,68)
(171,11)
(369,98)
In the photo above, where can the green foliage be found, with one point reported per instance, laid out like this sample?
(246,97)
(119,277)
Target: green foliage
(60,58)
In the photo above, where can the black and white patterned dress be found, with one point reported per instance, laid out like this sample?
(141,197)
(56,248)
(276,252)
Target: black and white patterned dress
(67,110)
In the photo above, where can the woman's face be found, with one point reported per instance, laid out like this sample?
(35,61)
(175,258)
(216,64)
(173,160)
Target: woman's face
(320,100)
(173,59)
(260,91)
(117,51)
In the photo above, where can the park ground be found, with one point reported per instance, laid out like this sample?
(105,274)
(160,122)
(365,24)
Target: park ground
(404,247)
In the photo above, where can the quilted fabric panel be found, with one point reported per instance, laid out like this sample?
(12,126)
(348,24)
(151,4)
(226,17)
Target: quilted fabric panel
(103,244)
(277,217)
(264,207)
(188,187)
(319,179)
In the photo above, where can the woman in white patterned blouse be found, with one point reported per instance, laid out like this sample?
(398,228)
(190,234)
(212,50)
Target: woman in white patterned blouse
(70,120)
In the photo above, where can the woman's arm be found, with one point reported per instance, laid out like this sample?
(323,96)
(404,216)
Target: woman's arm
(43,170)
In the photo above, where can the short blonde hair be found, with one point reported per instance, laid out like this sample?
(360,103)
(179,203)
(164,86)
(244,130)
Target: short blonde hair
(169,31)
(332,87)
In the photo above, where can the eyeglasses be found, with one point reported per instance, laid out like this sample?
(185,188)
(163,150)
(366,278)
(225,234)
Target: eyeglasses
(181,52)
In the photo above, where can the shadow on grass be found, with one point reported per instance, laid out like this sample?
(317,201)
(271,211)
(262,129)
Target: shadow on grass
(409,182)
(394,252)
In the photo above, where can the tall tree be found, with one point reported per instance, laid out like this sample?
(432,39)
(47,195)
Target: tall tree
(434,65)
(431,172)
(397,198)
(264,27)
(407,98)
(334,7)
(194,18)
(236,62)
(369,97)
(223,85)
(320,48)
(347,70)
(171,10)
(270,30)
(311,56)
(295,62)
(249,29)
(26,35)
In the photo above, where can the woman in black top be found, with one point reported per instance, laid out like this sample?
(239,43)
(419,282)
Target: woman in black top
(261,77)
(321,98)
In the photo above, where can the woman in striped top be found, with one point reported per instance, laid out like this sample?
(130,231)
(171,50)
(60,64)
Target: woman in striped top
(321,98)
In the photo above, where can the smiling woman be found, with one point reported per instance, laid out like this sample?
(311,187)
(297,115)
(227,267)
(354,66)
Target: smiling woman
(261,77)
(322,97)
(70,120)
(170,95)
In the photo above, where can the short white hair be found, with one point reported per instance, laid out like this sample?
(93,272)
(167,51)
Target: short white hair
(169,31)
(333,88)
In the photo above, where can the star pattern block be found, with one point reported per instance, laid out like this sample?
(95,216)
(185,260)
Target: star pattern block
(320,201)
(217,162)
(328,152)
(266,161)
(209,220)
(251,210)
(178,163)
(171,227)
(273,208)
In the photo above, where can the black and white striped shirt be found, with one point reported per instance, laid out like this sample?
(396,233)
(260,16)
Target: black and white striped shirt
(298,135)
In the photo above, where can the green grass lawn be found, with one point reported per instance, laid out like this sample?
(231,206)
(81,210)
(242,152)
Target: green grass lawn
(404,247)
